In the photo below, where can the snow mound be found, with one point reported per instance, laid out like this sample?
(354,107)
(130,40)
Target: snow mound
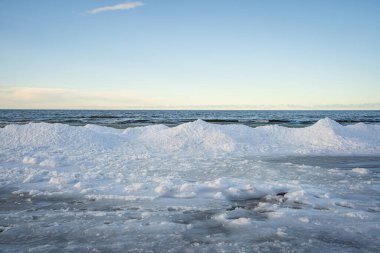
(199,137)
(36,135)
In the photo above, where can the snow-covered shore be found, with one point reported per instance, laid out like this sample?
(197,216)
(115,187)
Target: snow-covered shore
(197,186)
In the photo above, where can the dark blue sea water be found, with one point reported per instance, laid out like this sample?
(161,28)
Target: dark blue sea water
(131,118)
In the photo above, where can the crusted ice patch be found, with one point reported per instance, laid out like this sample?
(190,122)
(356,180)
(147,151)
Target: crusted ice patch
(48,163)
(361,171)
(29,160)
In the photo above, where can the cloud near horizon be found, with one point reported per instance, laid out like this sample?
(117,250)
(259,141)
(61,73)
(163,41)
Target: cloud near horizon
(117,7)
(60,98)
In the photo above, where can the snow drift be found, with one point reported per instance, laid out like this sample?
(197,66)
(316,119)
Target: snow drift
(197,186)
(199,137)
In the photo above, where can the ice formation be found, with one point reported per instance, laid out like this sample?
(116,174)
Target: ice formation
(326,136)
(195,187)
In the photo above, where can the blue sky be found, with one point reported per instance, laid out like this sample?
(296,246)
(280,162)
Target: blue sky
(171,54)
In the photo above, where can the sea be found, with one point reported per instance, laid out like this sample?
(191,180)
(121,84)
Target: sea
(189,181)
(132,118)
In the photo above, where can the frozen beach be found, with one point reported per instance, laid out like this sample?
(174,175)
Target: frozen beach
(195,187)
(143,126)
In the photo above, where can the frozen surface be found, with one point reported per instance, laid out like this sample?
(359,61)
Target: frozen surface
(197,187)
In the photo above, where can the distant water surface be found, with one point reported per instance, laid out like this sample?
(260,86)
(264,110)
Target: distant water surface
(132,118)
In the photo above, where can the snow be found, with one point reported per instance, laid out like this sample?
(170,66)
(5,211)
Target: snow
(325,136)
(360,171)
(196,187)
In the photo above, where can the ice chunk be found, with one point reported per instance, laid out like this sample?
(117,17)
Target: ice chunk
(362,171)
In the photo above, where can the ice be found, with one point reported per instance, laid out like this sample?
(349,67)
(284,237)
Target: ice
(197,187)
(325,136)
(360,171)
(29,160)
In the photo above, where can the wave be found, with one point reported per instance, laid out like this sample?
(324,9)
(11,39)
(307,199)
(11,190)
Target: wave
(222,120)
(349,121)
(278,121)
(200,137)
(104,117)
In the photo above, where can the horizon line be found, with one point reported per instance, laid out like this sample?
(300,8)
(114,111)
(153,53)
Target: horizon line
(146,109)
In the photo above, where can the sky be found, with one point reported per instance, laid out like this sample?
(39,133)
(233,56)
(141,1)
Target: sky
(190,54)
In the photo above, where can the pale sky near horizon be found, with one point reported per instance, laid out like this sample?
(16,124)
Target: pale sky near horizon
(171,54)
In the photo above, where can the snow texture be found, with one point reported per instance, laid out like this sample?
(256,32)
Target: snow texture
(197,187)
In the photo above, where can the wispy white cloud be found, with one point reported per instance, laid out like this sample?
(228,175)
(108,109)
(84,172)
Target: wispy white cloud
(117,7)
